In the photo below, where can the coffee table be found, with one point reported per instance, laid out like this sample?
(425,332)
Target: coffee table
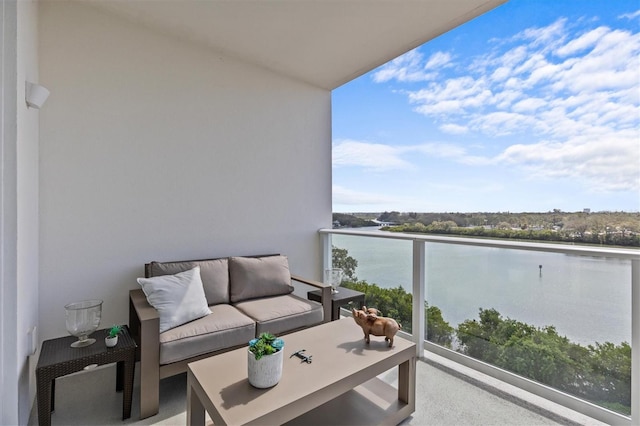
(339,386)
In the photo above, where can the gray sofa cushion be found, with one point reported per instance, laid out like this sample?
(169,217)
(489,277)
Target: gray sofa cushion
(214,273)
(254,277)
(281,314)
(224,328)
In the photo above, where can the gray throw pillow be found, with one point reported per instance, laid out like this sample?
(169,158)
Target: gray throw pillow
(253,277)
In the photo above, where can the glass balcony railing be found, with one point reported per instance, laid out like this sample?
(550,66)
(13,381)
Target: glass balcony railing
(556,320)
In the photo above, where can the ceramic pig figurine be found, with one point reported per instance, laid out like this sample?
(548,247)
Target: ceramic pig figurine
(376,325)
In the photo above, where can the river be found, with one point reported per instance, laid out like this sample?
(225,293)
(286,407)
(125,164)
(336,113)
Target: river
(587,299)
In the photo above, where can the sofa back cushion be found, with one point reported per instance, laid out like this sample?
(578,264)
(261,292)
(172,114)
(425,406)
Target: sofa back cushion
(253,277)
(214,273)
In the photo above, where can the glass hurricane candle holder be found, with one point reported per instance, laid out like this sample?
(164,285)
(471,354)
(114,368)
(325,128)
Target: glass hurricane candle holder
(333,277)
(83,318)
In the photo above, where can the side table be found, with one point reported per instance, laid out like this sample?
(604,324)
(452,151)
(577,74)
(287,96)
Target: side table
(58,358)
(344,296)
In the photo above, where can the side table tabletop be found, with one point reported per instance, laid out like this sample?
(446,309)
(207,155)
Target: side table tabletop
(58,358)
(344,296)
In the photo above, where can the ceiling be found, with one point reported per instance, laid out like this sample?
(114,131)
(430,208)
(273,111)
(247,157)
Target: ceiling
(325,43)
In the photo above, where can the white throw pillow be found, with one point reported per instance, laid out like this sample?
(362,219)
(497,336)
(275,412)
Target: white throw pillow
(178,298)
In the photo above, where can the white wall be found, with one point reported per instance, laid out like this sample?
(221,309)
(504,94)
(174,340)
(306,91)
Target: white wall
(27,203)
(155,149)
(8,216)
(19,207)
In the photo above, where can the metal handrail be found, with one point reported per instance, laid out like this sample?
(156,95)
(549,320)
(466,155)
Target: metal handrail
(418,325)
(585,250)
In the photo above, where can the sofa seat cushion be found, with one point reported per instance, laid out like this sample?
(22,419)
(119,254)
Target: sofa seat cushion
(281,314)
(224,328)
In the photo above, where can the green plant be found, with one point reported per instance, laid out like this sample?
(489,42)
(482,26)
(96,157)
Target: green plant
(265,344)
(115,330)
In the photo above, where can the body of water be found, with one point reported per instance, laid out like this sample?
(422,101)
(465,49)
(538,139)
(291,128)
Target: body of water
(587,299)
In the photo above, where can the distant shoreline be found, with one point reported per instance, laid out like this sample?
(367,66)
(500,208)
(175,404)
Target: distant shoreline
(617,229)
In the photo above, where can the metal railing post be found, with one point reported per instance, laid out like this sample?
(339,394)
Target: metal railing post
(635,342)
(418,317)
(326,253)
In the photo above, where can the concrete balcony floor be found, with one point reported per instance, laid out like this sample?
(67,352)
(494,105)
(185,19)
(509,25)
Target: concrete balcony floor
(446,394)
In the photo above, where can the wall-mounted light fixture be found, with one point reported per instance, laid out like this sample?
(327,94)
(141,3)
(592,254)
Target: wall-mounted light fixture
(35,95)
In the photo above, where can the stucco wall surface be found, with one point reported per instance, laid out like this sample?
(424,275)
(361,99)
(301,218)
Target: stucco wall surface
(156,149)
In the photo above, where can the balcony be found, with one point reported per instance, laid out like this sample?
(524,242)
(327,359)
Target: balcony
(452,388)
(521,287)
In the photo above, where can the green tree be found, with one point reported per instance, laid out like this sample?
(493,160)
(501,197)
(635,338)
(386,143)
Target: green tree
(438,330)
(610,377)
(600,373)
(351,221)
(340,259)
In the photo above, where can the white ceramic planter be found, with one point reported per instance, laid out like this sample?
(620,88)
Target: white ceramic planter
(111,341)
(265,372)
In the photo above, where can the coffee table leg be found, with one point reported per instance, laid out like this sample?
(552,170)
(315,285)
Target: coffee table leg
(195,409)
(407,381)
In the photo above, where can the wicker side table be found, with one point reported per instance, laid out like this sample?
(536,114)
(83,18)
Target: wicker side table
(58,358)
(345,296)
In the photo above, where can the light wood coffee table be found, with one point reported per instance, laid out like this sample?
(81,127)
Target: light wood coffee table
(339,387)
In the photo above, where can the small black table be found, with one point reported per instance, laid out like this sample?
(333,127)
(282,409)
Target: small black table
(345,296)
(58,358)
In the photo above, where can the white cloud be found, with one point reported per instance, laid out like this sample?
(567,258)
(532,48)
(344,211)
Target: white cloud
(514,57)
(608,167)
(545,37)
(383,158)
(506,98)
(345,196)
(372,156)
(501,74)
(454,129)
(454,96)
(632,15)
(529,105)
(502,123)
(441,150)
(578,92)
(583,42)
(438,60)
(412,67)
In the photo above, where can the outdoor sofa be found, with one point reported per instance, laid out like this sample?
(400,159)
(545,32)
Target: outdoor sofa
(245,296)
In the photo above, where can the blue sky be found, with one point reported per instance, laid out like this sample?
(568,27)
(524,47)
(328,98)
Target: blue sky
(531,107)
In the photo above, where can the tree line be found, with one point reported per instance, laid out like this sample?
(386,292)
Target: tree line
(599,373)
(614,238)
(603,228)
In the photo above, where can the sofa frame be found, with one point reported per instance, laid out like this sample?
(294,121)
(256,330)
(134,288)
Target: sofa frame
(144,327)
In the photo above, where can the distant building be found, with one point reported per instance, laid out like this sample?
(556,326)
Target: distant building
(587,211)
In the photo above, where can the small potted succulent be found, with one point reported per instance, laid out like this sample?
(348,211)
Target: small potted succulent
(112,336)
(265,360)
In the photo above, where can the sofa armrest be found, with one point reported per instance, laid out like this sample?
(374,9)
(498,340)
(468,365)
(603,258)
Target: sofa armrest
(144,324)
(326,294)
(143,310)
